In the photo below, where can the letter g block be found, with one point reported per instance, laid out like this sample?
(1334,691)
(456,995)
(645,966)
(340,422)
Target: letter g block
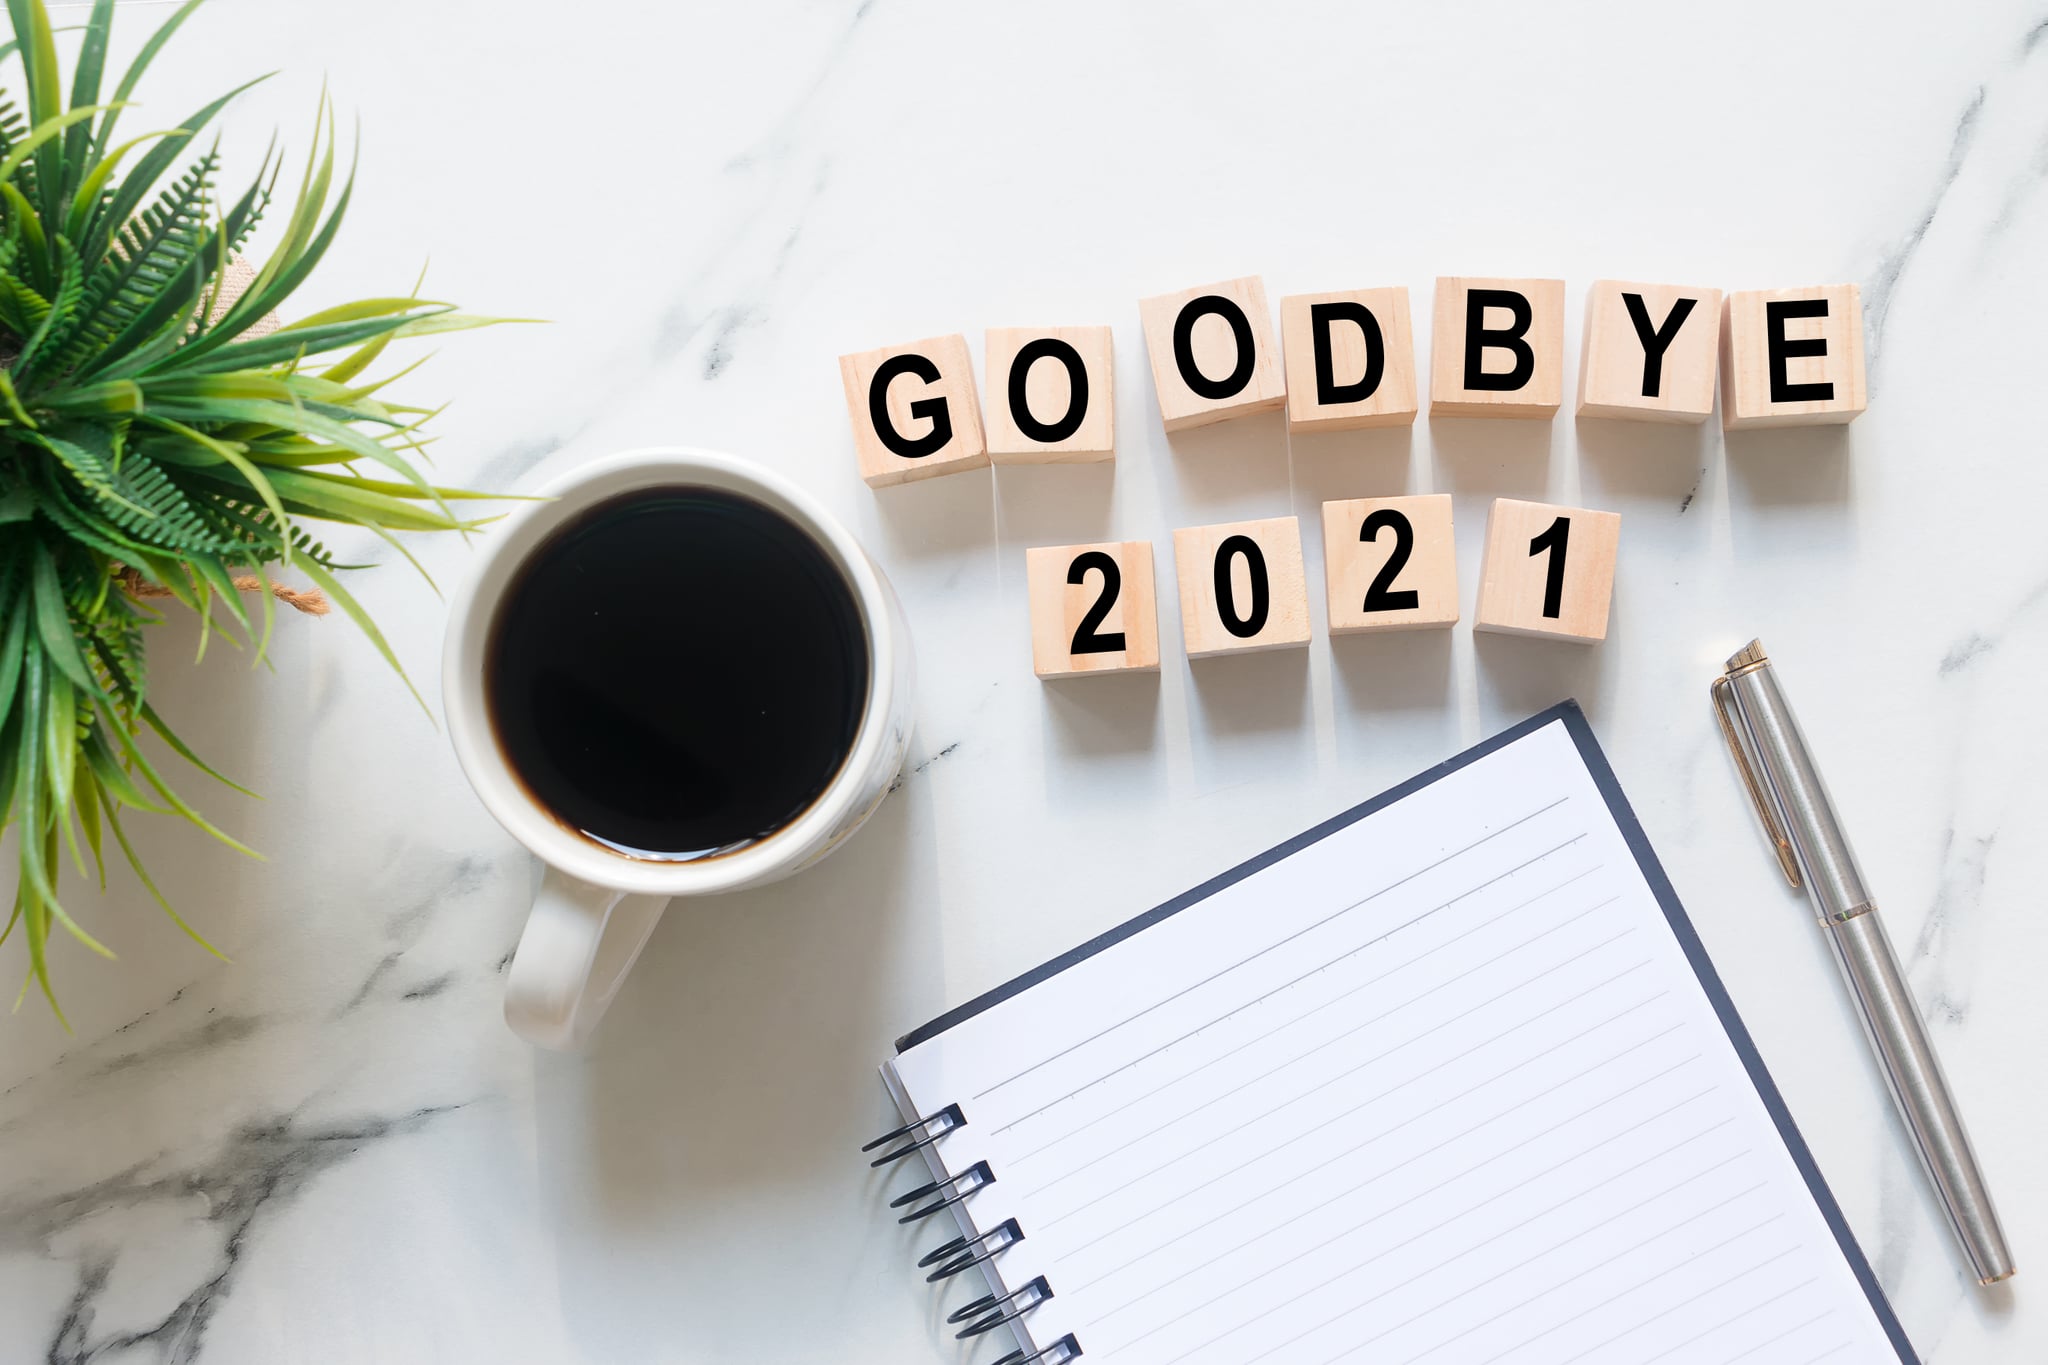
(913,410)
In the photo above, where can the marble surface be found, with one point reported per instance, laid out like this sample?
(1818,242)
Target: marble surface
(332,1150)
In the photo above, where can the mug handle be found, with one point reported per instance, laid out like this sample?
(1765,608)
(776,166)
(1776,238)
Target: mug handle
(579,942)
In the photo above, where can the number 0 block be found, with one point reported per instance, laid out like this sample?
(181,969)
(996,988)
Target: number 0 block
(1242,586)
(1547,571)
(913,410)
(1212,353)
(1093,609)
(1792,357)
(1390,563)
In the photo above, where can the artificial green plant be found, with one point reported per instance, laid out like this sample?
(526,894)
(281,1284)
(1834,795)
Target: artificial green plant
(153,446)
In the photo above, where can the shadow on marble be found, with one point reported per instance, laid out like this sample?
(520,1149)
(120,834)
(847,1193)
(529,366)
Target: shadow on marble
(1521,675)
(1394,671)
(1661,462)
(1103,741)
(1227,471)
(733,1084)
(1055,504)
(1789,466)
(953,514)
(1374,463)
(1492,457)
(1248,717)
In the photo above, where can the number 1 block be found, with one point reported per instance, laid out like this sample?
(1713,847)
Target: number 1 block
(1390,563)
(1242,586)
(1547,571)
(1093,609)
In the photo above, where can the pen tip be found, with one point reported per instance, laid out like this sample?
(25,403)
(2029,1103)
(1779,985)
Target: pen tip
(1751,653)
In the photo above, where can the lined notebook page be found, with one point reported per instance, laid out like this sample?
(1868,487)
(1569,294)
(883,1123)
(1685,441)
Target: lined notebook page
(1439,1089)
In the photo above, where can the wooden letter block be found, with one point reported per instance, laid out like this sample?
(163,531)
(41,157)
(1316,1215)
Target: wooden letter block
(1547,571)
(1792,357)
(1051,395)
(1212,353)
(1650,352)
(1093,609)
(1241,586)
(913,410)
(1390,563)
(1350,360)
(1497,348)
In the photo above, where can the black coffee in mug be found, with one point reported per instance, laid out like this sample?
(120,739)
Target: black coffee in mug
(677,673)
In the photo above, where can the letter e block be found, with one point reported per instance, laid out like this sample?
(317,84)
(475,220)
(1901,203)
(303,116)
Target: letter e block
(1093,609)
(1792,357)
(1350,360)
(1650,352)
(913,410)
(1497,348)
(1051,395)
(1390,563)
(1547,571)
(1241,586)
(1212,353)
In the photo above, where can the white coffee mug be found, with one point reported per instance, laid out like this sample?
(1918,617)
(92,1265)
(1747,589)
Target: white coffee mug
(596,905)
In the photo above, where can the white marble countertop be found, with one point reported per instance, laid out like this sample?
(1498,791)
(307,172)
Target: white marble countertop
(332,1150)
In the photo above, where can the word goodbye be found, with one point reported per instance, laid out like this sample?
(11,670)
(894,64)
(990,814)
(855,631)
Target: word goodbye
(1346,360)
(1388,564)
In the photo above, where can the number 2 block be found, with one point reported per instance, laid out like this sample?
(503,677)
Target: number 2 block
(1390,563)
(1093,609)
(1547,571)
(1242,586)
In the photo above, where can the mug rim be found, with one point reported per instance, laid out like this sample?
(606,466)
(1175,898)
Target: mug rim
(466,702)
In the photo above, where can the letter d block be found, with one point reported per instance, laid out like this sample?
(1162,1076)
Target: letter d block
(1242,586)
(1093,609)
(1350,360)
(913,410)
(1212,353)
(1650,352)
(1792,357)
(1497,348)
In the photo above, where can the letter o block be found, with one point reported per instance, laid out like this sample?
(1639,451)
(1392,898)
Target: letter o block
(1649,352)
(1792,357)
(1242,586)
(913,411)
(1212,353)
(1497,348)
(1547,571)
(1051,395)
(1350,360)
(1093,609)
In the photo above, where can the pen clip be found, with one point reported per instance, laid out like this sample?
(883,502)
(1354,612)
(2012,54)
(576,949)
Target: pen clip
(1764,807)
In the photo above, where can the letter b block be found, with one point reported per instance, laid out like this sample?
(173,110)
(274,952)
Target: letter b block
(913,410)
(1350,360)
(1792,357)
(1650,351)
(1051,395)
(1547,571)
(1093,609)
(1242,586)
(1212,353)
(1497,348)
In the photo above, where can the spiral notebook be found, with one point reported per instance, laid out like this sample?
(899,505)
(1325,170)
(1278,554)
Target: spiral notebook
(1447,1080)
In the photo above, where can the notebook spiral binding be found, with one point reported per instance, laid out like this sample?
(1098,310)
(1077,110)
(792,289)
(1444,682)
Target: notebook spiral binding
(964,1252)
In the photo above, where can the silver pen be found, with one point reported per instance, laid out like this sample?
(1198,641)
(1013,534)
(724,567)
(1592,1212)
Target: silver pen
(1794,805)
